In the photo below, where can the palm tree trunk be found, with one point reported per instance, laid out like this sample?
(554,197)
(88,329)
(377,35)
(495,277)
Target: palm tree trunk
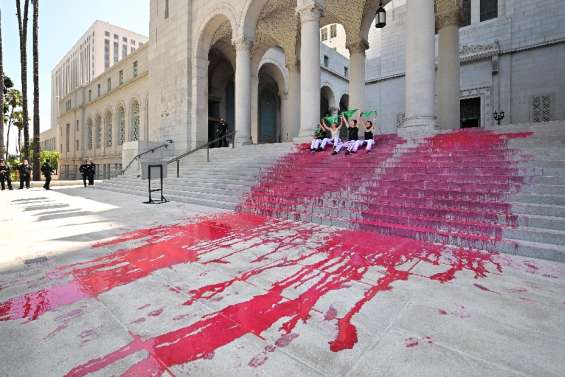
(22,27)
(19,151)
(2,146)
(36,128)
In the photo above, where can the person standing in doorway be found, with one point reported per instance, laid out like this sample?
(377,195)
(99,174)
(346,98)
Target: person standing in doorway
(222,133)
(83,170)
(47,170)
(25,174)
(91,172)
(5,175)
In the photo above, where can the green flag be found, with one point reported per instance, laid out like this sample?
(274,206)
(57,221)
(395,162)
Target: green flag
(332,119)
(368,114)
(349,114)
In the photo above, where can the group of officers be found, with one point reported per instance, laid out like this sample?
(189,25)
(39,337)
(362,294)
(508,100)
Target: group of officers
(87,171)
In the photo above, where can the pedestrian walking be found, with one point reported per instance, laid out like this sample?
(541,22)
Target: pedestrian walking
(91,172)
(83,170)
(47,171)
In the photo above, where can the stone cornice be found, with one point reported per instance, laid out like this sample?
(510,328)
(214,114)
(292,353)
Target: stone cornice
(310,12)
(358,46)
(242,43)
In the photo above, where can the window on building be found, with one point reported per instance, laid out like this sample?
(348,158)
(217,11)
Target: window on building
(61,131)
(68,137)
(106,53)
(346,71)
(116,51)
(121,76)
(106,34)
(89,134)
(76,146)
(116,37)
(99,90)
(132,42)
(489,9)
(166,8)
(89,95)
(135,121)
(108,128)
(324,34)
(326,61)
(121,125)
(98,130)
(109,84)
(132,49)
(135,68)
(541,108)
(465,13)
(333,31)
(77,126)
(124,51)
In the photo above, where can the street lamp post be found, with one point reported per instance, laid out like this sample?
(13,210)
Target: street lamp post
(498,116)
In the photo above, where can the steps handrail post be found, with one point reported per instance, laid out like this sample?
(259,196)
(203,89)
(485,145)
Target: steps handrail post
(178,168)
(208,153)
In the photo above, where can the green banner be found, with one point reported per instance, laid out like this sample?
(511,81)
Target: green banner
(349,114)
(368,114)
(334,119)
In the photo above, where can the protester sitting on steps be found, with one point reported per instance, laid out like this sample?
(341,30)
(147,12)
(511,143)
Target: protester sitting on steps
(352,133)
(319,136)
(368,137)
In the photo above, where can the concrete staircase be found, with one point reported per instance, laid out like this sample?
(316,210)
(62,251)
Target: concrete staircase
(221,183)
(499,190)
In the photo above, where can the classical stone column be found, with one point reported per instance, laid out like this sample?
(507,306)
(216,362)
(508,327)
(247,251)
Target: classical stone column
(357,75)
(310,70)
(448,76)
(242,90)
(293,114)
(420,69)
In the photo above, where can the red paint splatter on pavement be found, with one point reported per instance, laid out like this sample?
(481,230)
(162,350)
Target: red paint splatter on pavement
(138,321)
(339,259)
(258,360)
(144,307)
(163,247)
(442,312)
(209,356)
(482,287)
(428,339)
(410,342)
(331,314)
(156,313)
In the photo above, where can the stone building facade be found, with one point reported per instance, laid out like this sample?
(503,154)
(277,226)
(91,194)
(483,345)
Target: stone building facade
(260,65)
(512,60)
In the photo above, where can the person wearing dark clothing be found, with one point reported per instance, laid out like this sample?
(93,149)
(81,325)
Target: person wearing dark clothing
(83,170)
(91,173)
(47,170)
(222,133)
(5,176)
(25,174)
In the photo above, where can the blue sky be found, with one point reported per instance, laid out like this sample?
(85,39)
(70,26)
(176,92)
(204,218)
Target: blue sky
(61,23)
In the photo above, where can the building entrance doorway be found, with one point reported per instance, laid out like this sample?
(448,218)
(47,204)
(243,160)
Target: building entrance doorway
(471,112)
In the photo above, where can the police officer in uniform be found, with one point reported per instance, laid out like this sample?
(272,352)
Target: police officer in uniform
(222,133)
(83,170)
(91,172)
(5,175)
(47,170)
(25,174)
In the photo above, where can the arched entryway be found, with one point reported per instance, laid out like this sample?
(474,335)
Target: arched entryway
(269,104)
(327,101)
(221,93)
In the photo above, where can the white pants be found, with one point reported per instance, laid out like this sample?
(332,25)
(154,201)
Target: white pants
(335,141)
(370,144)
(315,144)
(347,144)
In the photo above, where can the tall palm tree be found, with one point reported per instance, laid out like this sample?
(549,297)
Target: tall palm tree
(22,27)
(36,128)
(2,145)
(12,104)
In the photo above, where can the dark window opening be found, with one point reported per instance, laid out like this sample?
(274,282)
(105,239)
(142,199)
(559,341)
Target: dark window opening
(471,112)
(489,9)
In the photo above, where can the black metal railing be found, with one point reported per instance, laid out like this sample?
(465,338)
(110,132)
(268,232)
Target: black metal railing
(138,157)
(206,146)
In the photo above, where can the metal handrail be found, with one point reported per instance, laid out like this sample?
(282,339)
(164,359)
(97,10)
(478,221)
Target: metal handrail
(152,150)
(207,146)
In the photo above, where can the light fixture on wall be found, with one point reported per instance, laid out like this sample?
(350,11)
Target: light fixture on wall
(380,17)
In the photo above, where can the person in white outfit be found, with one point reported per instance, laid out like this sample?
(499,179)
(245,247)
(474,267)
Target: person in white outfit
(368,137)
(334,134)
(352,144)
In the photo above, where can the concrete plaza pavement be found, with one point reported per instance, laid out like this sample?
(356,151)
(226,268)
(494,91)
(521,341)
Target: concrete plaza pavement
(510,321)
